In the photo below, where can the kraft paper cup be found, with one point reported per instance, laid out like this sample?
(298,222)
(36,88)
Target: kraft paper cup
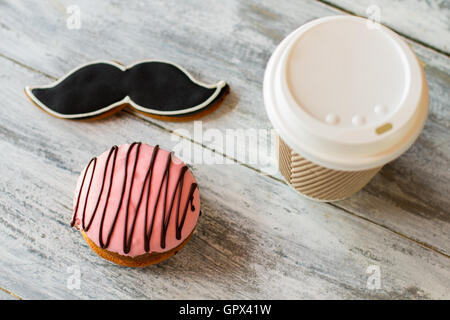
(346,97)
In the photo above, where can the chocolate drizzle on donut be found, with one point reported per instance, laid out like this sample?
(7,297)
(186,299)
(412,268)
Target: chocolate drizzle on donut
(162,192)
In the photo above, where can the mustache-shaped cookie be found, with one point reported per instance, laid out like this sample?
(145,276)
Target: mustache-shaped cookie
(158,88)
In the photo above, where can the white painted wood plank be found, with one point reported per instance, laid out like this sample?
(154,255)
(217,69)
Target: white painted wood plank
(234,42)
(6,295)
(424,21)
(256,238)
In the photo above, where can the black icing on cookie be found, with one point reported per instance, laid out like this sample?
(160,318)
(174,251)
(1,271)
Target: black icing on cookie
(154,87)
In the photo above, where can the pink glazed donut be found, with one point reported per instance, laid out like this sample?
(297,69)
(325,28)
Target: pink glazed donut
(136,205)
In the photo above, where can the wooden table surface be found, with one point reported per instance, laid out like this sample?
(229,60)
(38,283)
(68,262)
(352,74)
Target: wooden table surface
(257,238)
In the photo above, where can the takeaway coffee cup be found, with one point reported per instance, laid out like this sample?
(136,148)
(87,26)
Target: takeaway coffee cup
(345,96)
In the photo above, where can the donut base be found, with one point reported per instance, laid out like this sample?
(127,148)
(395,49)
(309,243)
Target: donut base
(138,261)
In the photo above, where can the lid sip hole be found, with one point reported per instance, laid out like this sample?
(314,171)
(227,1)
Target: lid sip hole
(383,128)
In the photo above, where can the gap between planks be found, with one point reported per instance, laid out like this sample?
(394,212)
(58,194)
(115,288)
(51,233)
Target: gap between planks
(27,67)
(149,121)
(11,293)
(417,41)
(421,243)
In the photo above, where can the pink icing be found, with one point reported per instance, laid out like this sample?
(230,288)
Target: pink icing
(142,166)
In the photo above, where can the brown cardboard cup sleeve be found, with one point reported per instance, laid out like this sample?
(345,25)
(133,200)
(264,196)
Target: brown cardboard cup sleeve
(317,182)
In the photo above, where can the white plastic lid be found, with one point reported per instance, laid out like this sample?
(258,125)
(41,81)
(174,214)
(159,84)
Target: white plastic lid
(344,94)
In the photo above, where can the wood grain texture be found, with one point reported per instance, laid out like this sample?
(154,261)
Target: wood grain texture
(7,295)
(424,21)
(258,238)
